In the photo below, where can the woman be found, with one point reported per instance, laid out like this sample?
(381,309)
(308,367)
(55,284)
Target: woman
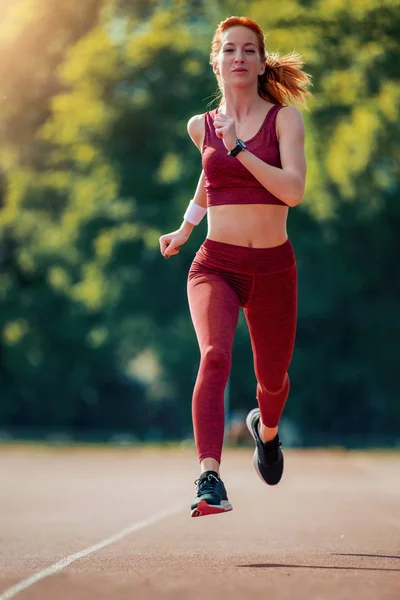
(254,169)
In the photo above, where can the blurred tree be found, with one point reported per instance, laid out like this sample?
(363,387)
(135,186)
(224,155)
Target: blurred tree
(29,74)
(59,225)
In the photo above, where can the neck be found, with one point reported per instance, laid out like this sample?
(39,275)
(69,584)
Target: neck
(241,103)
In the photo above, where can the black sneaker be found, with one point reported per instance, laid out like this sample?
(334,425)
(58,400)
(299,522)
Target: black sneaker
(268,457)
(211,497)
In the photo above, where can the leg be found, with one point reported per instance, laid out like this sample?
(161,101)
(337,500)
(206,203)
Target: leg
(271,317)
(214,307)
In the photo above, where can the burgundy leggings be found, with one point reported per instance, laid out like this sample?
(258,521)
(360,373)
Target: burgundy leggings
(263,281)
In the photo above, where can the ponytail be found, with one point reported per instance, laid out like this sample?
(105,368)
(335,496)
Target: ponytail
(283,80)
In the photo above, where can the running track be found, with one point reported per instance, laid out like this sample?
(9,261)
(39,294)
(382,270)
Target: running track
(114,523)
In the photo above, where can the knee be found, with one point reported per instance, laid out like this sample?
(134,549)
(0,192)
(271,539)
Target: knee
(215,357)
(274,383)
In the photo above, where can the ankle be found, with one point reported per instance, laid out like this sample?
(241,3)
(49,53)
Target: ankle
(267,433)
(209,464)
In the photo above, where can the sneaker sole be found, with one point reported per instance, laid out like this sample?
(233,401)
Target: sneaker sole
(255,455)
(203,509)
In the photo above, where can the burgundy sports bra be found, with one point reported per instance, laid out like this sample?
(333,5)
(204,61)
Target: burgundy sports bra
(227,181)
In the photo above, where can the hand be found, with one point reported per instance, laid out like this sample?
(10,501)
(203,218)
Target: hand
(170,243)
(225,129)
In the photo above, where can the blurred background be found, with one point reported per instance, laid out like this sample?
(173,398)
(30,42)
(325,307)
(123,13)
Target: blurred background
(96,342)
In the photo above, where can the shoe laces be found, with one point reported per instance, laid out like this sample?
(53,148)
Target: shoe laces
(206,484)
(270,451)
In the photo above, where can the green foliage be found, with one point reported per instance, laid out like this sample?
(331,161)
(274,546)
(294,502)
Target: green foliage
(96,163)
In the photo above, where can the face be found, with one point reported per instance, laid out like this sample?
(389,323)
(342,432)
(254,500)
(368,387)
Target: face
(238,62)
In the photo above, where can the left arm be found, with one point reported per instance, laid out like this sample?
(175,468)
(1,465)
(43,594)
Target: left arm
(287,183)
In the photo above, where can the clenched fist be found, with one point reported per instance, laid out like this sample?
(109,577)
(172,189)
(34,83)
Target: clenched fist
(226,130)
(170,243)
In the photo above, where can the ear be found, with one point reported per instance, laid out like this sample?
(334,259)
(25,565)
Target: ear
(262,68)
(215,68)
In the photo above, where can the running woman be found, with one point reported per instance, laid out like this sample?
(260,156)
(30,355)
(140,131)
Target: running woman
(253,170)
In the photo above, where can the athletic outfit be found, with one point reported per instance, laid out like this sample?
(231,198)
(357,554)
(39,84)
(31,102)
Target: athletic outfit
(224,278)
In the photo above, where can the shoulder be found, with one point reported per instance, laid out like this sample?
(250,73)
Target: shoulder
(196,128)
(289,118)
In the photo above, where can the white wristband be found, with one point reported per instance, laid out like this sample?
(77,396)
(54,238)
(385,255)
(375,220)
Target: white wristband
(194,213)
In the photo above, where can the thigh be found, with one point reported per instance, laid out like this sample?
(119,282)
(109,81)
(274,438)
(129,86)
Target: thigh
(271,316)
(214,307)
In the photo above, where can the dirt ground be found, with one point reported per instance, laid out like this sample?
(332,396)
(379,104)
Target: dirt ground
(115,523)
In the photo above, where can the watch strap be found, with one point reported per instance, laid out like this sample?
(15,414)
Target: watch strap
(240,145)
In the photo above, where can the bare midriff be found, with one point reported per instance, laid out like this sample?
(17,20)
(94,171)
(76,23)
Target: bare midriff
(251,225)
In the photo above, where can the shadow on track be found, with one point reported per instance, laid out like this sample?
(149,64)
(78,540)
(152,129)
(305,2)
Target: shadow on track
(285,566)
(368,555)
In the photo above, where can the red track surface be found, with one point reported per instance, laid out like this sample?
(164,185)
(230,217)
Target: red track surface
(329,531)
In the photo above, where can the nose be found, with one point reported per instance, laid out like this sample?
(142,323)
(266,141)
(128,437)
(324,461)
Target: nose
(239,57)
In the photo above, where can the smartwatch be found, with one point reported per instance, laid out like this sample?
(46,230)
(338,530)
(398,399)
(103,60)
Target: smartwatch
(240,145)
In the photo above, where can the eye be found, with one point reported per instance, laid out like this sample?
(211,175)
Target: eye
(251,51)
(228,50)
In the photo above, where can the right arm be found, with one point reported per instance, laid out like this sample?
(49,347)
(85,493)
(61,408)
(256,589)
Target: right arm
(171,242)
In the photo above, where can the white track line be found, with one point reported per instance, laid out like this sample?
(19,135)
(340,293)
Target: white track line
(60,565)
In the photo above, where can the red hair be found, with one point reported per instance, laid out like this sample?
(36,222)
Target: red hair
(283,80)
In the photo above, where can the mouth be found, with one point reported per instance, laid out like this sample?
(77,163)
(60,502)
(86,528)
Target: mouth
(239,70)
